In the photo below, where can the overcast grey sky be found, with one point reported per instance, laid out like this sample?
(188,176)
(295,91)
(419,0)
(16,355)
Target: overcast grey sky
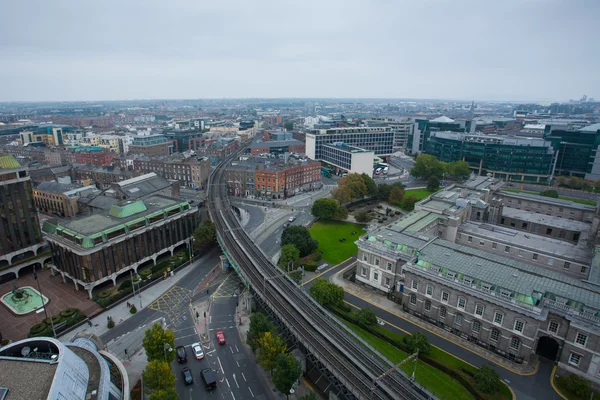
(462,49)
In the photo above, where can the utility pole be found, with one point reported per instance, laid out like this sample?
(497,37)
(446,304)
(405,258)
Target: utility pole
(414,356)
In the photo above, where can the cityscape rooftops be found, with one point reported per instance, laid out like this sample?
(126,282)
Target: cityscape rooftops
(591,128)
(443,119)
(493,139)
(549,200)
(8,161)
(543,219)
(347,147)
(275,143)
(55,187)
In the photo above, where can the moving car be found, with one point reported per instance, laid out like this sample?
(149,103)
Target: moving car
(198,352)
(292,219)
(220,337)
(181,354)
(286,225)
(208,376)
(188,379)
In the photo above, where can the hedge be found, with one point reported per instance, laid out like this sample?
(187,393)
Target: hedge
(310,266)
(43,329)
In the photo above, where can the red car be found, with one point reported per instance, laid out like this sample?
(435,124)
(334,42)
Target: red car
(220,337)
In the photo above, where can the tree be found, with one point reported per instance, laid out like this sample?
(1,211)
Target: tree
(396,195)
(164,394)
(155,339)
(426,166)
(327,293)
(433,183)
(205,235)
(341,194)
(370,184)
(459,170)
(299,237)
(309,396)
(550,193)
(288,125)
(562,180)
(576,385)
(355,185)
(366,317)
(408,203)
(289,253)
(363,217)
(418,341)
(383,191)
(158,376)
(341,213)
(324,208)
(259,324)
(270,346)
(486,380)
(287,372)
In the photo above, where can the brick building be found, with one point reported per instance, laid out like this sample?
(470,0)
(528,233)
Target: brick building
(60,199)
(93,158)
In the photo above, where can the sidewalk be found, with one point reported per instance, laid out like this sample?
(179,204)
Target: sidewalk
(120,312)
(382,302)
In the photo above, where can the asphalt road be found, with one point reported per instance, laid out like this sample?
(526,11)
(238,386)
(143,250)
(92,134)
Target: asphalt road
(236,376)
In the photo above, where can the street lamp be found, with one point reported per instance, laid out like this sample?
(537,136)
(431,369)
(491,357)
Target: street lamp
(166,347)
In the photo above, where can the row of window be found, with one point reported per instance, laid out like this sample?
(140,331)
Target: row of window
(376,262)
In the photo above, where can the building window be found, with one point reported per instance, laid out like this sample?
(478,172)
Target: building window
(506,249)
(462,303)
(498,318)
(494,335)
(365,257)
(363,271)
(524,225)
(414,284)
(581,339)
(515,343)
(481,242)
(377,261)
(553,326)
(494,245)
(375,276)
(476,326)
(520,253)
(389,266)
(429,290)
(561,234)
(505,294)
(443,312)
(387,282)
(479,309)
(583,269)
(574,359)
(519,326)
(458,319)
(413,299)
(548,231)
(427,306)
(470,239)
(445,296)
(535,256)
(567,265)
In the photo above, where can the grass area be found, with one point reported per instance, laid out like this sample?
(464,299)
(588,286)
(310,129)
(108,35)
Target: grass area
(573,199)
(420,194)
(570,395)
(329,233)
(438,383)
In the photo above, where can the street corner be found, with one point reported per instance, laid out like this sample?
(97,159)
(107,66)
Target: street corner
(231,286)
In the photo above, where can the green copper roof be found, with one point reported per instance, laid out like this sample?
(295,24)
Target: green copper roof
(126,209)
(8,162)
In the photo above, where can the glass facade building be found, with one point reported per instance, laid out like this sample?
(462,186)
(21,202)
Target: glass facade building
(577,151)
(379,140)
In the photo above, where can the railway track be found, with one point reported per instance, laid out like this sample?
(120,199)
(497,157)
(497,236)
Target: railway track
(352,363)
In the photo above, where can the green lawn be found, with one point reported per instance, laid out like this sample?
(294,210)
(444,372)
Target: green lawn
(329,233)
(438,383)
(573,199)
(570,395)
(420,194)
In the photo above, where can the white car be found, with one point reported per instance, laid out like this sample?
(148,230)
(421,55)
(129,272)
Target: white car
(198,352)
(291,219)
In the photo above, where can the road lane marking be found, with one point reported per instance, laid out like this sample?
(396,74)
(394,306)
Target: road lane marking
(244,376)
(183,337)
(231,348)
(236,382)
(238,363)
(228,385)
(232,396)
(250,391)
(221,365)
(236,348)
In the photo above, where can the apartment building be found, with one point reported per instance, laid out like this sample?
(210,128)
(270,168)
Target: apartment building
(151,145)
(60,199)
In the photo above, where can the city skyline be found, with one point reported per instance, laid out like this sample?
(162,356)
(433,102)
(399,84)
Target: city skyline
(537,50)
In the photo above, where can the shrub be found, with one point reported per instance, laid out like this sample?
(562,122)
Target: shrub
(576,385)
(417,341)
(126,284)
(549,193)
(160,266)
(145,273)
(310,266)
(68,312)
(379,206)
(104,294)
(110,324)
(397,213)
(37,328)
(487,380)
(366,317)
(133,310)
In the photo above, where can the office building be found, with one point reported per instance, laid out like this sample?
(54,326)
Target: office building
(45,368)
(93,249)
(151,145)
(51,136)
(348,159)
(60,199)
(422,129)
(505,157)
(277,147)
(577,150)
(400,126)
(20,235)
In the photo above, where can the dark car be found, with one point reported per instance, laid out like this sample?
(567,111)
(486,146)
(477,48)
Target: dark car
(209,378)
(188,378)
(181,354)
(286,225)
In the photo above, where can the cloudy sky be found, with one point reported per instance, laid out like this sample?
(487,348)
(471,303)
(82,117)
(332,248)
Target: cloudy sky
(462,49)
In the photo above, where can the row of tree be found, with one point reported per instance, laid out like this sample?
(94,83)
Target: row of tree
(158,377)
(271,353)
(427,166)
(354,187)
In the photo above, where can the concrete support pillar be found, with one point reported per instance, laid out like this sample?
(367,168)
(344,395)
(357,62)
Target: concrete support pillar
(17,273)
(114,280)
(76,285)
(171,250)
(154,259)
(89,290)
(63,277)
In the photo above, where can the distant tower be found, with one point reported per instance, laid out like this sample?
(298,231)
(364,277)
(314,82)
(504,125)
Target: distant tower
(472,107)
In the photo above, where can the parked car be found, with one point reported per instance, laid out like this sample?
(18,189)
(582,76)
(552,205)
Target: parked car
(181,354)
(292,219)
(198,352)
(220,337)
(208,376)
(188,378)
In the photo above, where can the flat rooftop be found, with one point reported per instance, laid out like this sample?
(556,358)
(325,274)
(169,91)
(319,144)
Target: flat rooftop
(529,241)
(347,148)
(26,380)
(543,219)
(548,200)
(500,272)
